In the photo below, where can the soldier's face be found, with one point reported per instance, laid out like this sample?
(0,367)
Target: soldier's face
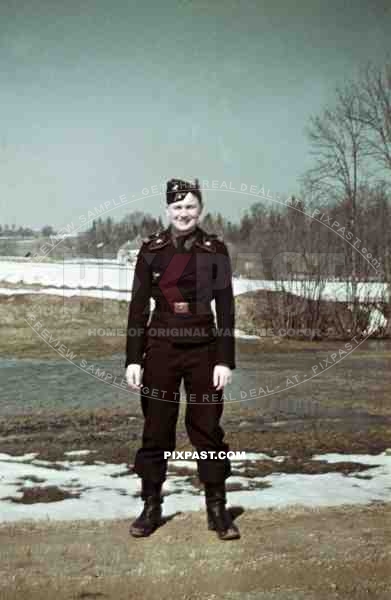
(184,214)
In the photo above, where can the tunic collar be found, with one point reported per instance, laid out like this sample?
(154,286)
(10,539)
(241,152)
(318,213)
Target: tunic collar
(201,239)
(186,241)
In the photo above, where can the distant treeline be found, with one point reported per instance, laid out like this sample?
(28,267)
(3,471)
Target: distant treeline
(20,232)
(272,240)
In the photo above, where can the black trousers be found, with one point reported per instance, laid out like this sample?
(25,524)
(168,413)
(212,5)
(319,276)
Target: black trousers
(165,365)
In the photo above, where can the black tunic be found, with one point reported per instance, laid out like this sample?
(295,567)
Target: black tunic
(183,275)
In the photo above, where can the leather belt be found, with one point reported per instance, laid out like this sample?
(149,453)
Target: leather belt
(185,308)
(181,308)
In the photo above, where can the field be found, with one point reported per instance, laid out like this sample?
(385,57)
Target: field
(341,553)
(297,553)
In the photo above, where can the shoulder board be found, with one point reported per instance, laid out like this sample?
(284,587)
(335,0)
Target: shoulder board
(151,237)
(209,242)
(157,240)
(215,237)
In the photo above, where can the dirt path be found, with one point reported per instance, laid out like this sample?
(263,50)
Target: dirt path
(296,554)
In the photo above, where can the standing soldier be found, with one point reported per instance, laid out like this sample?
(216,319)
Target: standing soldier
(183,269)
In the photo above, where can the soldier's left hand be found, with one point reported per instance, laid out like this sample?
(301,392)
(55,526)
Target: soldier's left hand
(222,375)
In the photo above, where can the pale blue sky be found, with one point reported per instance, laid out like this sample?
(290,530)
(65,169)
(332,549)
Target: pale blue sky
(101,99)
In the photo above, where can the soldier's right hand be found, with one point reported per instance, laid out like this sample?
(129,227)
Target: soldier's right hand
(133,376)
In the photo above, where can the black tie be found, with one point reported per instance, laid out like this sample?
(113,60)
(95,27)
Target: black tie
(181,243)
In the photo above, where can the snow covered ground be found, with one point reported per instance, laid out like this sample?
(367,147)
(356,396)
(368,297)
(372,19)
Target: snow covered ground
(107,491)
(109,279)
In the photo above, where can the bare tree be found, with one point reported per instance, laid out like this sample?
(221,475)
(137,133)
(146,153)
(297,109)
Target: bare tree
(339,146)
(374,93)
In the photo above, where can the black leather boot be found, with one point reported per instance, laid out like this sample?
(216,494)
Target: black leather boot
(151,515)
(219,519)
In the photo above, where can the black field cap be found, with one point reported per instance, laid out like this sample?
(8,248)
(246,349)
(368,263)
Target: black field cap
(177,189)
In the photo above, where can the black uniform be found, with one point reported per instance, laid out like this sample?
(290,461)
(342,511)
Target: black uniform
(183,275)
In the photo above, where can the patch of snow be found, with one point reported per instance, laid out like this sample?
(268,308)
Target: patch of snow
(21,458)
(105,495)
(77,452)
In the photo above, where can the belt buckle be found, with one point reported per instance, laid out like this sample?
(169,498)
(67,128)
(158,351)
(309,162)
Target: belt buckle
(181,308)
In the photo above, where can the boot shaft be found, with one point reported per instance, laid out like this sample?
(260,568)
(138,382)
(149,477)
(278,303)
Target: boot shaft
(215,493)
(151,489)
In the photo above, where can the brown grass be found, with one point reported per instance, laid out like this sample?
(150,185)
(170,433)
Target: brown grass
(297,554)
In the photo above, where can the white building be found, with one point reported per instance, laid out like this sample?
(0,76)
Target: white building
(128,252)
